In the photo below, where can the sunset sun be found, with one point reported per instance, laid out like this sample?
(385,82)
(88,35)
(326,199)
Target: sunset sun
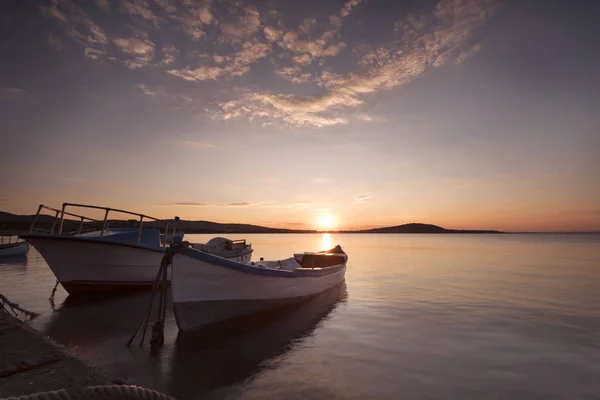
(326,222)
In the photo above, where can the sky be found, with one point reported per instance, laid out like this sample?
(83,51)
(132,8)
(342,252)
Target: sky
(468,114)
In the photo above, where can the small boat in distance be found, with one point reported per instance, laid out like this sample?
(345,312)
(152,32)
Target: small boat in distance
(206,289)
(87,254)
(10,248)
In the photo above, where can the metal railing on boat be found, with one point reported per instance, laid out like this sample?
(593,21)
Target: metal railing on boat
(83,219)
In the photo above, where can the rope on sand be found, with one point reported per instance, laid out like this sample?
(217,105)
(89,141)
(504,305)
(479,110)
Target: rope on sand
(15,309)
(112,392)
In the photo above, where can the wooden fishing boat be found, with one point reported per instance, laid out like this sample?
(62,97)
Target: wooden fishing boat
(207,289)
(12,248)
(106,258)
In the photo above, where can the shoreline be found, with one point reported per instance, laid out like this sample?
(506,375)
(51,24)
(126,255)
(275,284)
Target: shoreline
(34,363)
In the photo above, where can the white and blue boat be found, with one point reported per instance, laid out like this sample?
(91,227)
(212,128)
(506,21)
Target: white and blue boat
(207,289)
(106,258)
(12,248)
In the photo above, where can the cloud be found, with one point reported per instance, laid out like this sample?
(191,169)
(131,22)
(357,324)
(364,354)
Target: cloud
(294,74)
(194,18)
(267,204)
(197,74)
(363,198)
(364,117)
(304,59)
(169,6)
(307,25)
(273,34)
(316,48)
(466,54)
(78,26)
(169,52)
(11,93)
(332,50)
(243,26)
(424,42)
(149,91)
(579,212)
(139,49)
(141,9)
(322,180)
(238,64)
(243,36)
(248,55)
(345,11)
(178,98)
(301,41)
(199,145)
(93,54)
(292,109)
(194,204)
(297,205)
(103,4)
(247,109)
(220,59)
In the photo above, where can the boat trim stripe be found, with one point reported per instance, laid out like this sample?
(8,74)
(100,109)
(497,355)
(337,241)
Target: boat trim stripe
(86,240)
(12,245)
(257,270)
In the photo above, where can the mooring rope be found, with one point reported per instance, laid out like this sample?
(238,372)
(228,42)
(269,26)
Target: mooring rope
(160,284)
(15,309)
(53,292)
(113,392)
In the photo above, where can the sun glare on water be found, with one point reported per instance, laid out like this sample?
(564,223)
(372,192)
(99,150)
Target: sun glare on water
(326,241)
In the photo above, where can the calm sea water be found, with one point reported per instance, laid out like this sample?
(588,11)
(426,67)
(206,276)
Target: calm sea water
(419,317)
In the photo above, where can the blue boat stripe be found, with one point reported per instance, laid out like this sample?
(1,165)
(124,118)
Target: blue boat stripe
(91,240)
(254,269)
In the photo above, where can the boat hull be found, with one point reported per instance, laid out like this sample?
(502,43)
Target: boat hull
(14,249)
(87,266)
(204,293)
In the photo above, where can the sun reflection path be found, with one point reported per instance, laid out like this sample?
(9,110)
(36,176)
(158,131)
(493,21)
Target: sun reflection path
(325,241)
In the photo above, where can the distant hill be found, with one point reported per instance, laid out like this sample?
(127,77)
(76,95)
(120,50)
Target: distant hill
(215,227)
(21,223)
(421,228)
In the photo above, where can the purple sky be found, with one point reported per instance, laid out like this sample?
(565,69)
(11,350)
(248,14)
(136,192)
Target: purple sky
(461,113)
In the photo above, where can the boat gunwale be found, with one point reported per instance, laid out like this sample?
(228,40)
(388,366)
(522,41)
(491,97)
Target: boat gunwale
(256,269)
(91,240)
(4,246)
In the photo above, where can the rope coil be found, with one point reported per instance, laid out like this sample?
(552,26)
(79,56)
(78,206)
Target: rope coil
(113,392)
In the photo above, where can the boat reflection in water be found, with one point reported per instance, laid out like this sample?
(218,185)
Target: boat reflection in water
(97,328)
(230,352)
(92,318)
(16,261)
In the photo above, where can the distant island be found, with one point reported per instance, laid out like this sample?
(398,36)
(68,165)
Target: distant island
(420,228)
(20,223)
